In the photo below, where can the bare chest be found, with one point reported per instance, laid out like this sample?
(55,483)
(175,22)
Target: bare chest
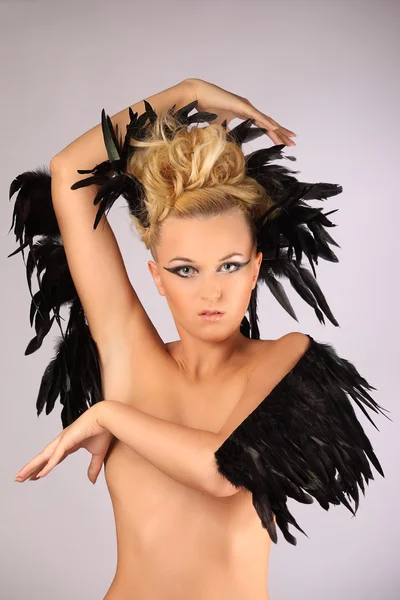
(164,392)
(162,524)
(198,405)
(167,396)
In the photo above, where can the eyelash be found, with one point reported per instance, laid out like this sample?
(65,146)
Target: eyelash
(177,269)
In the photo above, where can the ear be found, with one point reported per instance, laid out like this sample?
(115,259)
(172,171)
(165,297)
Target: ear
(153,268)
(257,266)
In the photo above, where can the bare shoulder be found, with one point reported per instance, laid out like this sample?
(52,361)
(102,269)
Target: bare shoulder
(293,344)
(295,341)
(275,358)
(270,363)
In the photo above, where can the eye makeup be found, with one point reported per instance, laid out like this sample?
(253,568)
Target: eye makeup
(175,270)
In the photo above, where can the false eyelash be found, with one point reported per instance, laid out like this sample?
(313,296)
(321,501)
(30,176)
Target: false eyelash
(176,269)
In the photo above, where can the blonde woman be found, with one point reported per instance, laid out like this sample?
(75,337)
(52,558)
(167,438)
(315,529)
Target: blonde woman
(202,438)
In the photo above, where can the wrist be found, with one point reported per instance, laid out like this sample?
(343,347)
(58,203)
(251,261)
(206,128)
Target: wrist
(190,87)
(102,412)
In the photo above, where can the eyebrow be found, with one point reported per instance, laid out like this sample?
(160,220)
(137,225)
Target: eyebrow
(192,261)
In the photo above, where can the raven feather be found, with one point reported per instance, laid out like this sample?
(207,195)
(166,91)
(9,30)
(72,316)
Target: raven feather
(304,441)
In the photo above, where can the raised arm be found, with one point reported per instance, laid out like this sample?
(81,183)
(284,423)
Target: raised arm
(111,305)
(89,150)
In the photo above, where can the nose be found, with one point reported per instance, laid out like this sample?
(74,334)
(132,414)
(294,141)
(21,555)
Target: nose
(210,288)
(211,296)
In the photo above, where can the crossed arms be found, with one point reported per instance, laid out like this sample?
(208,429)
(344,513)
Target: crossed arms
(184,453)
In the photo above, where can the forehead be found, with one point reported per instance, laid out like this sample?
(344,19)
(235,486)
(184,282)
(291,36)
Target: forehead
(202,237)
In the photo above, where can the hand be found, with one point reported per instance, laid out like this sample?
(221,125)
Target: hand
(211,98)
(84,432)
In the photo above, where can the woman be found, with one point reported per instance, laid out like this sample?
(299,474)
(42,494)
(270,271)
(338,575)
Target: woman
(199,456)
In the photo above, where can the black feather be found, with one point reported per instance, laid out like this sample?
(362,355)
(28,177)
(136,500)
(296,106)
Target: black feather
(304,440)
(296,231)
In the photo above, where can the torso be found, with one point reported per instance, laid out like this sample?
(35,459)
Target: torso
(173,542)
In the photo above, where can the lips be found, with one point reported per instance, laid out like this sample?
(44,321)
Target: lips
(211,312)
(211,317)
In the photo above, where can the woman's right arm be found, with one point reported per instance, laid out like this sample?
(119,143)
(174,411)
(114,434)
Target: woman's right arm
(89,150)
(114,312)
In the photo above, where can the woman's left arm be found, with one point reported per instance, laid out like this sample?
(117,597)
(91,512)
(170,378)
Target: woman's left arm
(227,106)
(184,453)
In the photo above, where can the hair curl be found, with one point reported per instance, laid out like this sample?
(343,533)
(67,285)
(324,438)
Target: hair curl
(189,173)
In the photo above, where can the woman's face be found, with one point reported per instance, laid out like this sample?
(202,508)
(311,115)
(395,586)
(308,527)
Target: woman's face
(217,270)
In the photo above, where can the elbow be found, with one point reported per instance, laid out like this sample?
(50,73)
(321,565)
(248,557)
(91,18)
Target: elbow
(225,489)
(56,165)
(55,161)
(60,162)
(221,487)
(217,484)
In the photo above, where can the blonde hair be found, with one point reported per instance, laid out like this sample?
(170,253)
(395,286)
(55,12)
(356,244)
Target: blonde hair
(191,173)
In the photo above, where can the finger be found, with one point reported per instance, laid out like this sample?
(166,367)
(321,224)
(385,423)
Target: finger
(274,130)
(34,476)
(285,135)
(95,467)
(284,139)
(29,470)
(56,457)
(37,462)
(278,137)
(286,131)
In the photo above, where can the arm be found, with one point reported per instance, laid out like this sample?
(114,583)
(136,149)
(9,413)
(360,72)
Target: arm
(183,453)
(94,258)
(88,149)
(187,454)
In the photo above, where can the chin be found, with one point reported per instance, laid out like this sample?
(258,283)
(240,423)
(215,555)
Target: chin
(216,332)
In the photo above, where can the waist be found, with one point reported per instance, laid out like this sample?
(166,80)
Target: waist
(199,565)
(191,535)
(205,580)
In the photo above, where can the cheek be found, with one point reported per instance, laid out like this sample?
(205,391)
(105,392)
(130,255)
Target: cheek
(239,292)
(180,293)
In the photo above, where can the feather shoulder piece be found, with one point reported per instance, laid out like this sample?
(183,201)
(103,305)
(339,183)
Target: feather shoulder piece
(304,441)
(298,231)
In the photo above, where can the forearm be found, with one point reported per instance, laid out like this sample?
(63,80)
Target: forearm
(88,149)
(183,453)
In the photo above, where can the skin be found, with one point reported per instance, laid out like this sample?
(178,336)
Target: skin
(206,282)
(198,382)
(161,524)
(173,541)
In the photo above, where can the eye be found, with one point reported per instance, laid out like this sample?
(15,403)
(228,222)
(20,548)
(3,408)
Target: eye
(180,269)
(237,266)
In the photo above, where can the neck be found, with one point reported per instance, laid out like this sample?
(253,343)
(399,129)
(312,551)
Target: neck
(200,360)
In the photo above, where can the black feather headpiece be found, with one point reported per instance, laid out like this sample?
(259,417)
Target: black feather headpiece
(296,229)
(303,440)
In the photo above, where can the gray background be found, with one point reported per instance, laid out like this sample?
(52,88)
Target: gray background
(327,70)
